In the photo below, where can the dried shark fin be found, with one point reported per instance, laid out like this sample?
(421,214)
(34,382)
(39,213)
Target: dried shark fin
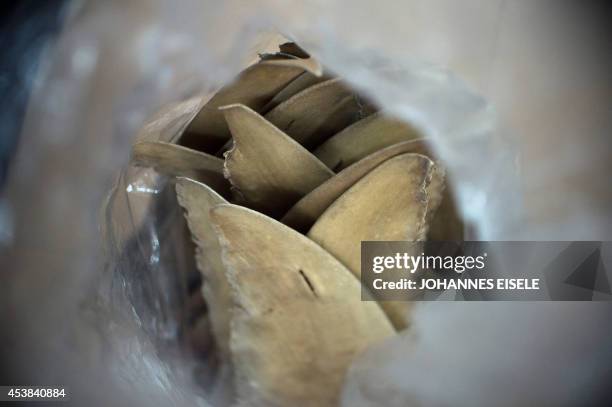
(390,203)
(308,209)
(299,320)
(254,87)
(363,138)
(180,161)
(304,81)
(446,223)
(270,170)
(316,112)
(198,199)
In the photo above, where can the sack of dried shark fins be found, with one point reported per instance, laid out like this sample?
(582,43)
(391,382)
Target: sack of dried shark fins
(271,184)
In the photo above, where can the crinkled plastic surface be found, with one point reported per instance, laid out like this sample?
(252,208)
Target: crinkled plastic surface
(95,282)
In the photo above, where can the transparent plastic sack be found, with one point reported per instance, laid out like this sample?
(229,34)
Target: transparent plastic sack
(98,263)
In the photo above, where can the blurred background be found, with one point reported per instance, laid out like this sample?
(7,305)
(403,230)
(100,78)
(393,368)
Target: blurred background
(78,78)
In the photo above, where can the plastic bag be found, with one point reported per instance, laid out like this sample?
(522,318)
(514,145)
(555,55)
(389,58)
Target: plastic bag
(109,319)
